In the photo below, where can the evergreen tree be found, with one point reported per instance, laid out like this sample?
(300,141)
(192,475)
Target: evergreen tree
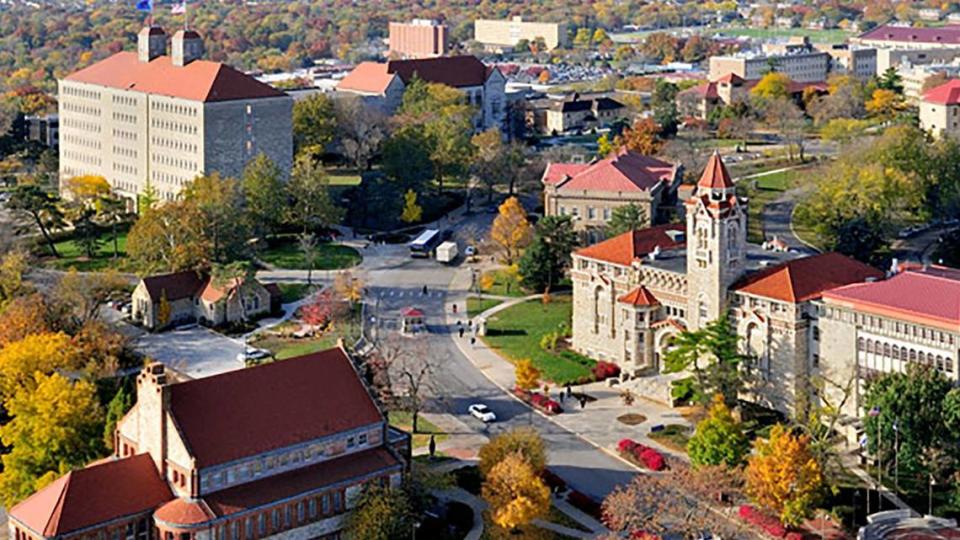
(544,262)
(630,217)
(118,406)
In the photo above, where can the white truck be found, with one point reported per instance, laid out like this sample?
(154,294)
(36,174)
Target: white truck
(447,252)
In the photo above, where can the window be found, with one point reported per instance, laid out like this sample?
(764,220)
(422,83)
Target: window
(350,442)
(286,516)
(275,520)
(235,530)
(325,503)
(248,528)
(816,333)
(262,524)
(312,508)
(362,439)
(816,360)
(301,513)
(337,501)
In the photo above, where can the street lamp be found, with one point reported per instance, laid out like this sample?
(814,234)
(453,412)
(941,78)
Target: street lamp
(930,495)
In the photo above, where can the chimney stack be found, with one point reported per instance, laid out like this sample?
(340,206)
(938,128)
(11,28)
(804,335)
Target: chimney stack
(151,43)
(187,46)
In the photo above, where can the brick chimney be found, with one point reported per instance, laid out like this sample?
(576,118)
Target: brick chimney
(187,46)
(151,43)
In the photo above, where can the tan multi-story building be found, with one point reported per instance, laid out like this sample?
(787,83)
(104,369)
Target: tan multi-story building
(805,65)
(419,38)
(887,58)
(577,113)
(940,110)
(589,192)
(633,293)
(845,59)
(147,119)
(505,34)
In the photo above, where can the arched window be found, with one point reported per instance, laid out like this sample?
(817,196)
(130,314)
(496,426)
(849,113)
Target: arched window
(939,363)
(922,358)
(886,349)
(870,346)
(860,344)
(896,352)
(948,364)
(913,355)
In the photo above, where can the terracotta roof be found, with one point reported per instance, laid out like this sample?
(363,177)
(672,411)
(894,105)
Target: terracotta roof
(286,485)
(175,286)
(200,80)
(944,34)
(411,312)
(555,172)
(945,94)
(369,77)
(706,90)
(930,296)
(805,279)
(79,499)
(641,296)
(622,171)
(250,411)
(730,78)
(213,293)
(455,71)
(183,512)
(623,249)
(715,175)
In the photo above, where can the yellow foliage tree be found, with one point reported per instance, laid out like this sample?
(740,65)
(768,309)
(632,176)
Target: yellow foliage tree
(23,316)
(37,353)
(528,376)
(515,493)
(88,188)
(884,103)
(487,281)
(412,212)
(772,85)
(524,441)
(163,310)
(783,476)
(349,287)
(511,231)
(56,426)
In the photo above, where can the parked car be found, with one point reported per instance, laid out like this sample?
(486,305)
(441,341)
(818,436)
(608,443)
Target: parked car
(252,354)
(470,251)
(482,412)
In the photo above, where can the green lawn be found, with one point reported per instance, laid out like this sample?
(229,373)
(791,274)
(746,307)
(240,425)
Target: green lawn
(72,255)
(404,420)
(762,191)
(343,177)
(476,306)
(516,331)
(285,253)
(504,283)
(291,292)
(289,347)
(833,35)
(673,436)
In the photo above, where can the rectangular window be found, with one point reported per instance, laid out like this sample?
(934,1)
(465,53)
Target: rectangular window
(325,503)
(337,502)
(350,442)
(262,524)
(248,528)
(301,514)
(312,508)
(286,516)
(275,521)
(362,439)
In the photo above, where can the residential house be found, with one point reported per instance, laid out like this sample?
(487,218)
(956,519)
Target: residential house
(940,110)
(577,113)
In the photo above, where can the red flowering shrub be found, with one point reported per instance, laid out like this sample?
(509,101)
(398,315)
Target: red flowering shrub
(652,459)
(626,445)
(642,454)
(605,370)
(544,402)
(770,525)
(794,536)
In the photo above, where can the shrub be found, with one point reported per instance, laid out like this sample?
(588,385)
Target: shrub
(605,370)
(626,445)
(642,454)
(652,459)
(550,340)
(768,524)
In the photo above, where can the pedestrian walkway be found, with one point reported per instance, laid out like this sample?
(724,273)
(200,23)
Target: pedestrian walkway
(461,441)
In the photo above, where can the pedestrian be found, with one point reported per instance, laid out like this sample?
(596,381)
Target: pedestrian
(454,308)
(459,324)
(561,397)
(569,391)
(470,323)
(424,290)
(461,331)
(473,341)
(433,446)
(583,402)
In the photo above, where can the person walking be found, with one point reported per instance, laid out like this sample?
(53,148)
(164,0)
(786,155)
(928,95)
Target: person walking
(473,341)
(454,309)
(461,331)
(424,290)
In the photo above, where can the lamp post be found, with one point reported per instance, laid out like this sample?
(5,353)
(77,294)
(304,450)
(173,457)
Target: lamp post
(930,495)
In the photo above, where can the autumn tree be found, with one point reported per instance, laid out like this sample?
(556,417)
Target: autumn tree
(718,439)
(527,375)
(84,294)
(264,195)
(13,265)
(380,513)
(55,427)
(642,137)
(884,104)
(773,85)
(311,206)
(629,217)
(349,286)
(412,212)
(314,125)
(496,162)
(515,492)
(217,200)
(525,442)
(169,239)
(783,477)
(307,242)
(361,130)
(511,232)
(785,117)
(43,353)
(23,316)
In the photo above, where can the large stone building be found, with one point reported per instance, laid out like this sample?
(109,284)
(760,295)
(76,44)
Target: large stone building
(940,110)
(589,192)
(275,451)
(633,293)
(419,38)
(145,118)
(701,100)
(801,65)
(889,36)
(383,84)
(505,34)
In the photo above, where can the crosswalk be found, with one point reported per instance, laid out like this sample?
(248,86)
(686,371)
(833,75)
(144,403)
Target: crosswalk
(393,293)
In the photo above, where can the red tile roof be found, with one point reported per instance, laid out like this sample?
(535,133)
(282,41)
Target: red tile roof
(730,78)
(947,93)
(411,312)
(250,411)
(715,175)
(371,77)
(455,71)
(944,34)
(184,512)
(175,286)
(641,296)
(289,484)
(807,278)
(625,248)
(929,296)
(200,80)
(213,293)
(622,171)
(93,495)
(706,90)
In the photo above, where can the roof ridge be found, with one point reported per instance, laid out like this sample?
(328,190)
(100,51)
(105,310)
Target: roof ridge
(58,508)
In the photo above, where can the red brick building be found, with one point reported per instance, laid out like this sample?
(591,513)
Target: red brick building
(277,450)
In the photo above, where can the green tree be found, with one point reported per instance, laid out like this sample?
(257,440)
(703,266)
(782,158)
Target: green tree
(314,124)
(86,232)
(525,441)
(891,80)
(116,409)
(664,105)
(412,212)
(311,205)
(545,261)
(630,217)
(111,212)
(217,201)
(264,193)
(711,353)
(718,439)
(380,513)
(148,199)
(406,159)
(169,239)
(42,207)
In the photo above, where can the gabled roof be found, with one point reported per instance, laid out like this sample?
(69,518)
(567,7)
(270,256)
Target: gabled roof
(200,80)
(175,286)
(641,296)
(250,411)
(947,93)
(625,248)
(930,296)
(411,312)
(96,494)
(622,171)
(805,279)
(456,71)
(715,175)
(943,34)
(213,292)
(556,172)
(730,78)
(707,90)
(371,77)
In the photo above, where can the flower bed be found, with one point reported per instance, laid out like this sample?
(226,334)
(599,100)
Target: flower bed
(539,401)
(766,523)
(641,454)
(605,370)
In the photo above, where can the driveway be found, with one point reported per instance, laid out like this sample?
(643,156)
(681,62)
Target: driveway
(197,352)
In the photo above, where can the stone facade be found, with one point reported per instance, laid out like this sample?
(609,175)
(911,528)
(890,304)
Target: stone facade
(506,33)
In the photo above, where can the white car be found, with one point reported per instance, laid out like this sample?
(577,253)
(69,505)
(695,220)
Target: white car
(482,413)
(470,251)
(252,354)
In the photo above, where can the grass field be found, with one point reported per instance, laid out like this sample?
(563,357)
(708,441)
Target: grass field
(343,177)
(476,306)
(762,191)
(504,283)
(291,292)
(285,253)
(404,420)
(72,255)
(516,332)
(833,35)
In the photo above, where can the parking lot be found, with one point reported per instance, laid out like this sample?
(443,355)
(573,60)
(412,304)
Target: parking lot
(196,352)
